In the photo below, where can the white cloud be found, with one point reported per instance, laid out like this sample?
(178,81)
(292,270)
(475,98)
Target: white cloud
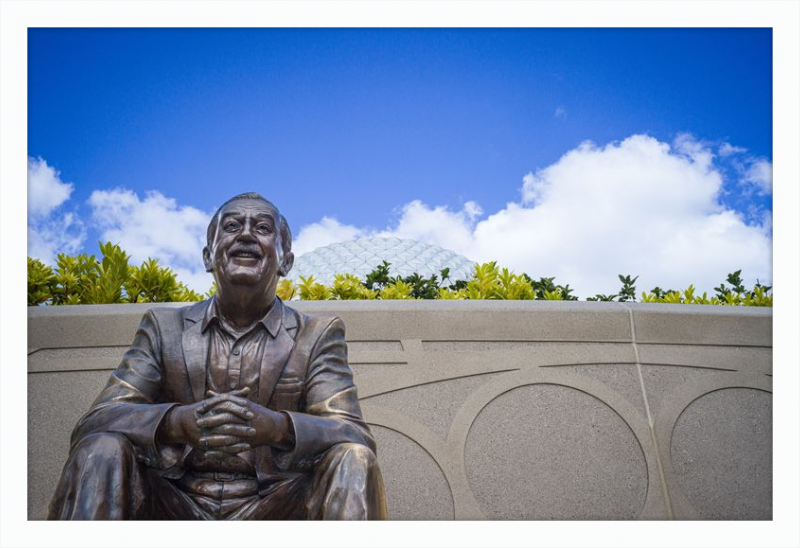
(325,232)
(154,227)
(639,207)
(697,151)
(473,210)
(59,234)
(50,231)
(532,188)
(560,112)
(759,174)
(448,229)
(727,149)
(46,190)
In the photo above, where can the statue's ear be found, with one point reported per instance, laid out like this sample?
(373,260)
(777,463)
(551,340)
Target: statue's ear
(207,259)
(287,264)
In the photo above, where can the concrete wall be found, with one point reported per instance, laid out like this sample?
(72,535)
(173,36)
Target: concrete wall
(501,409)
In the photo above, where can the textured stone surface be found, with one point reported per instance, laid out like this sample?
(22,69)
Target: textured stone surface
(527,346)
(484,320)
(722,454)
(661,380)
(622,378)
(361,369)
(415,486)
(55,403)
(374,346)
(535,353)
(550,452)
(75,359)
(86,325)
(422,365)
(742,358)
(702,324)
(433,405)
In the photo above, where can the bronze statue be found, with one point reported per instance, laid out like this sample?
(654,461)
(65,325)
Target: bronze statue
(237,407)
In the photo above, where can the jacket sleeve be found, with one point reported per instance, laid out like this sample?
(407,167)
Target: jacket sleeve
(331,413)
(130,402)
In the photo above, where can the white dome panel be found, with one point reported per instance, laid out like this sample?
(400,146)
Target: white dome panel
(361,256)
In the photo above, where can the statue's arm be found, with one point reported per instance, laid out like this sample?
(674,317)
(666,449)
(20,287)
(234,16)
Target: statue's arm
(131,404)
(331,413)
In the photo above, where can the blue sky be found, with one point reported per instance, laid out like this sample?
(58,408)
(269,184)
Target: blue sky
(473,139)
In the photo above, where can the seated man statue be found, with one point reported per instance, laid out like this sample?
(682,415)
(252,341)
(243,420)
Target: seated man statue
(237,407)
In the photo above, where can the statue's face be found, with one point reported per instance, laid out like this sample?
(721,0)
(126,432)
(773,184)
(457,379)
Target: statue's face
(246,249)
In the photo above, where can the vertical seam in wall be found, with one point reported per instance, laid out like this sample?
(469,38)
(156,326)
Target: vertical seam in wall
(650,422)
(412,351)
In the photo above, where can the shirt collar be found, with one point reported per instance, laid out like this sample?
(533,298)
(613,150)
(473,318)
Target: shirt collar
(271,320)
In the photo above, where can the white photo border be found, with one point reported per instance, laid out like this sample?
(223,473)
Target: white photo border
(17,16)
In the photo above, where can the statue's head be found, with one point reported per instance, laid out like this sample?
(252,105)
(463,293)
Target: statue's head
(248,243)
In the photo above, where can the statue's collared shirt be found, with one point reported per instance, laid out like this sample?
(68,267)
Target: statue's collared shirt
(234,362)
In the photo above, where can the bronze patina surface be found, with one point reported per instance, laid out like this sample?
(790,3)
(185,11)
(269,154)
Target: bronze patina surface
(237,407)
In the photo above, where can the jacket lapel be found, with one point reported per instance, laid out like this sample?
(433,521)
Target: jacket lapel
(276,354)
(195,350)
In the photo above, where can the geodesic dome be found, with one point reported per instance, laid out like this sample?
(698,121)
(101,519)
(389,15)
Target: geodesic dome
(360,257)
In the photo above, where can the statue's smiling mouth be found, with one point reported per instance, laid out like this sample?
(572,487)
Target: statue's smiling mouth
(245,254)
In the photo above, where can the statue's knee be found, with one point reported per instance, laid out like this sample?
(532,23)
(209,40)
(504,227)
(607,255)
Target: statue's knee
(105,446)
(355,453)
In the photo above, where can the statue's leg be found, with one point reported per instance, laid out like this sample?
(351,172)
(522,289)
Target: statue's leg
(101,480)
(284,499)
(347,484)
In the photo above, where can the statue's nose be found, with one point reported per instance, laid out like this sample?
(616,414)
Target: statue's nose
(246,235)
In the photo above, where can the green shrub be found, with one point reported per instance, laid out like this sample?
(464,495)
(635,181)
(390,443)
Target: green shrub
(40,282)
(738,296)
(150,283)
(396,291)
(311,290)
(82,279)
(285,290)
(347,287)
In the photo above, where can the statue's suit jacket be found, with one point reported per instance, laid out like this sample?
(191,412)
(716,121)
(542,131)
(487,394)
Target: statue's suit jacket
(304,372)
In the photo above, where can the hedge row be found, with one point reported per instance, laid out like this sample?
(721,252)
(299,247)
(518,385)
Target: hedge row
(83,279)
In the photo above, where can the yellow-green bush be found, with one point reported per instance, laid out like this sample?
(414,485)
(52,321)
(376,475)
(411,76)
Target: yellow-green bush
(82,279)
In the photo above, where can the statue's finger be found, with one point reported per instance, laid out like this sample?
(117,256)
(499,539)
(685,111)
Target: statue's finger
(239,430)
(235,448)
(229,397)
(211,403)
(216,399)
(212,421)
(218,441)
(237,409)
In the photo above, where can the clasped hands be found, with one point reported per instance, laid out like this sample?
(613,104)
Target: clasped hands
(226,423)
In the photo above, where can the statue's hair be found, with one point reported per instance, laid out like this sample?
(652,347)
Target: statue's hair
(285,233)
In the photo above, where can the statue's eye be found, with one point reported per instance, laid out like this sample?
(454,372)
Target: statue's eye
(231,226)
(264,228)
